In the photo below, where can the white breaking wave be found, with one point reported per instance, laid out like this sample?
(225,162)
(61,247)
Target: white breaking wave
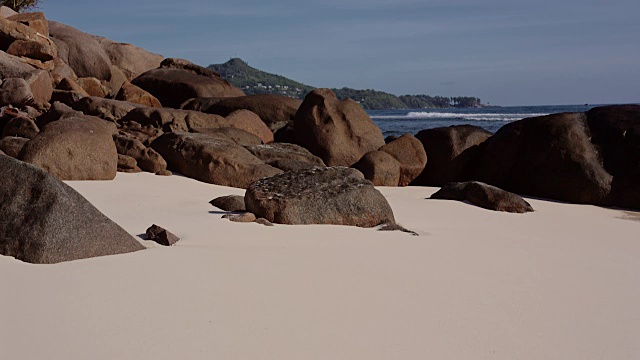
(446,115)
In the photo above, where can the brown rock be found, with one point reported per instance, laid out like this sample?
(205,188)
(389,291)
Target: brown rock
(147,159)
(549,157)
(131,60)
(69,84)
(15,91)
(275,111)
(338,131)
(164,173)
(452,151)
(127,164)
(11,31)
(250,122)
(485,196)
(13,67)
(246,217)
(263,221)
(118,78)
(31,49)
(380,168)
(11,146)
(201,104)
(144,134)
(333,195)
(74,149)
(285,156)
(93,87)
(44,221)
(81,51)
(173,86)
(107,109)
(410,154)
(21,126)
(161,236)
(238,136)
(41,86)
(7,12)
(62,70)
(233,203)
(174,120)
(211,160)
(134,94)
(34,20)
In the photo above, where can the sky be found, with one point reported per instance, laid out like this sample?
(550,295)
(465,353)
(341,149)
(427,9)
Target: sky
(504,52)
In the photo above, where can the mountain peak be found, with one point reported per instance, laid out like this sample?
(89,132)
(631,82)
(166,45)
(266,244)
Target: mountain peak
(237,62)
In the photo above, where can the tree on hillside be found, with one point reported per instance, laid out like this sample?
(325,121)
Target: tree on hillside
(20,5)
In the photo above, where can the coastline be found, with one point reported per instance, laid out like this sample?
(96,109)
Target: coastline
(476,284)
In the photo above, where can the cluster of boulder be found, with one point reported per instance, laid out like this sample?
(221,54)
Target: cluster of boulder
(82,107)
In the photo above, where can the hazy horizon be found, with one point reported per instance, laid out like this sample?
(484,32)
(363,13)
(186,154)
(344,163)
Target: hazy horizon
(547,53)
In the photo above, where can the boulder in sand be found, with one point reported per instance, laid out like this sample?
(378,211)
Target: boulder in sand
(484,196)
(233,203)
(410,154)
(380,168)
(332,195)
(44,221)
(550,157)
(211,159)
(452,153)
(338,131)
(161,236)
(146,158)
(74,148)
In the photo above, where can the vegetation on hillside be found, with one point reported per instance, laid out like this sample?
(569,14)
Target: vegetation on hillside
(20,5)
(253,81)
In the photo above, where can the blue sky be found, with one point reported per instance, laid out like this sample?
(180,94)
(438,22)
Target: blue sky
(505,52)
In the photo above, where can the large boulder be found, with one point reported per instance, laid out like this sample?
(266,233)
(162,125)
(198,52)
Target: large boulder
(452,151)
(380,168)
(549,157)
(146,158)
(44,221)
(174,120)
(211,159)
(94,87)
(410,154)
(13,67)
(74,148)
(615,132)
(285,156)
(131,93)
(107,109)
(250,122)
(276,111)
(131,60)
(174,85)
(335,195)
(484,196)
(338,131)
(81,51)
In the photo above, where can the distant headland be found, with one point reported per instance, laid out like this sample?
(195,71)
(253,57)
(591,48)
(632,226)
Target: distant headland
(254,81)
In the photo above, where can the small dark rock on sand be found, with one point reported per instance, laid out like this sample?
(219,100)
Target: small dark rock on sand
(161,236)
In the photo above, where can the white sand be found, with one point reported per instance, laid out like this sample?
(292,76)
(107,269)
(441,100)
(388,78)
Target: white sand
(561,283)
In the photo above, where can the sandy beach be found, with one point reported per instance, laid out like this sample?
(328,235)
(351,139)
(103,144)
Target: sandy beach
(559,283)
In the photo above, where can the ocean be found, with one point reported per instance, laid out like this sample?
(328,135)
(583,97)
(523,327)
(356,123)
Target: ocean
(398,122)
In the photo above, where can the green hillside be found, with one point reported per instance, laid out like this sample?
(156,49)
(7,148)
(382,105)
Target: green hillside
(253,81)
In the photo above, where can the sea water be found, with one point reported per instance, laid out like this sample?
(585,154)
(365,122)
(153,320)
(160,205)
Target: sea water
(398,122)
